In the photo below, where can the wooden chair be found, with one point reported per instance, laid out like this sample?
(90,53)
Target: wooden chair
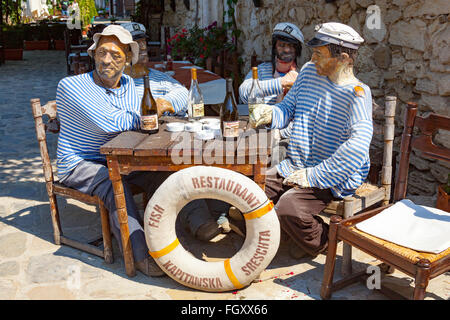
(225,63)
(54,188)
(73,45)
(81,63)
(369,195)
(419,265)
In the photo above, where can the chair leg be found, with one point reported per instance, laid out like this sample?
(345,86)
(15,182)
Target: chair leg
(106,232)
(422,278)
(330,263)
(55,219)
(346,267)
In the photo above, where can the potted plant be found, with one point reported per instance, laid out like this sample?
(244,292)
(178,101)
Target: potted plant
(443,197)
(13,41)
(37,37)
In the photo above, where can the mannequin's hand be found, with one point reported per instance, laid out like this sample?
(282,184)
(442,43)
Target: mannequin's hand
(164,106)
(298,178)
(262,114)
(288,80)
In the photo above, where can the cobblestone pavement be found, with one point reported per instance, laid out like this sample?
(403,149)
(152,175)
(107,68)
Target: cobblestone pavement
(32,267)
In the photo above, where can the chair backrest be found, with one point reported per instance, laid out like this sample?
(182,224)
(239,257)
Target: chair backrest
(225,63)
(81,64)
(52,125)
(421,141)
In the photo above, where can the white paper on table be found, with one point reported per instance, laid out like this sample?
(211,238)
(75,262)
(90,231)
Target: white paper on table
(413,226)
(213,91)
(182,61)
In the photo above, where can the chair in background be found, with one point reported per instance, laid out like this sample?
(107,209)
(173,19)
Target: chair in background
(369,194)
(225,63)
(54,188)
(73,45)
(419,265)
(81,63)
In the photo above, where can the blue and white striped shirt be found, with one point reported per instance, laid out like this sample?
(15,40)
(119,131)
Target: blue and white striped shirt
(331,133)
(163,86)
(90,117)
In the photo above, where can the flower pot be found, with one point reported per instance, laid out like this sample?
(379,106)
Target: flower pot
(13,54)
(443,199)
(59,45)
(36,45)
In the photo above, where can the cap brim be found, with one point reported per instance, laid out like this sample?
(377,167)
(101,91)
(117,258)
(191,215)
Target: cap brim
(139,35)
(314,42)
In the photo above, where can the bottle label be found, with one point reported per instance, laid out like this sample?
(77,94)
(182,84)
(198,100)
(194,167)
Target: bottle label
(198,110)
(149,123)
(230,129)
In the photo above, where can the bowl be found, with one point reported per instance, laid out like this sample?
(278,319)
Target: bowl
(175,126)
(194,126)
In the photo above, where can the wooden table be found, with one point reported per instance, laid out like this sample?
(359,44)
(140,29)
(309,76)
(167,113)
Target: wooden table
(165,151)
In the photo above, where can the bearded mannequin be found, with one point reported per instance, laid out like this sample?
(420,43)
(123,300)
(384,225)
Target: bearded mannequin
(339,69)
(139,69)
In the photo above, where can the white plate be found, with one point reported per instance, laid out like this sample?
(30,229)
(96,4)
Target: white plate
(170,73)
(175,126)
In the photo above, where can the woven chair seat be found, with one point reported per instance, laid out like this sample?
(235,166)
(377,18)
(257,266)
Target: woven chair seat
(410,254)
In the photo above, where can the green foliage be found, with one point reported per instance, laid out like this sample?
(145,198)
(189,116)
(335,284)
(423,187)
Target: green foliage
(11,11)
(87,11)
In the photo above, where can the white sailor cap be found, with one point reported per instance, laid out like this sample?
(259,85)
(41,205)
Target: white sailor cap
(289,30)
(337,33)
(137,30)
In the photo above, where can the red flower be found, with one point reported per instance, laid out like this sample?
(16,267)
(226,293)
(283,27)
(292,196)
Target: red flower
(184,30)
(201,39)
(204,48)
(202,56)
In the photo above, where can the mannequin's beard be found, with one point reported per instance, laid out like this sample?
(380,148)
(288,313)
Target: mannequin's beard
(286,57)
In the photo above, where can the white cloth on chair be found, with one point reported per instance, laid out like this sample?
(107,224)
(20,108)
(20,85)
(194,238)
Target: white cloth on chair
(413,226)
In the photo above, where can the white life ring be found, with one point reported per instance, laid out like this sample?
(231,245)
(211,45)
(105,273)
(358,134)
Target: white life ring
(262,226)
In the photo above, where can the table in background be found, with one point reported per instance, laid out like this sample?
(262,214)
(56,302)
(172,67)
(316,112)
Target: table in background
(134,151)
(213,86)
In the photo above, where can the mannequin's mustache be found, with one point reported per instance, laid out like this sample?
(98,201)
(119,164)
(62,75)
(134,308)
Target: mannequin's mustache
(286,57)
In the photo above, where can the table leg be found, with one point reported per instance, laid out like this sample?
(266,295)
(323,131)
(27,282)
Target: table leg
(259,171)
(119,196)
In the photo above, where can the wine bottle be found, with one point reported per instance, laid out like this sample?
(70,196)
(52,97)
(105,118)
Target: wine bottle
(149,110)
(196,107)
(256,95)
(229,115)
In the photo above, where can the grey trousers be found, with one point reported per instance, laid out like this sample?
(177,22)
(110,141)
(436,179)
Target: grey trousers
(93,178)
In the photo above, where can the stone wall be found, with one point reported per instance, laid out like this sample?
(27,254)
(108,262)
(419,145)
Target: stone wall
(407,56)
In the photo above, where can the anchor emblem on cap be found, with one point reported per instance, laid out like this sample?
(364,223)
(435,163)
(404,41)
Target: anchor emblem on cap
(288,29)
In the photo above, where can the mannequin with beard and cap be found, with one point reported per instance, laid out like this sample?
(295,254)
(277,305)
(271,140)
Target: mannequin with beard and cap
(328,153)
(277,76)
(169,94)
(198,216)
